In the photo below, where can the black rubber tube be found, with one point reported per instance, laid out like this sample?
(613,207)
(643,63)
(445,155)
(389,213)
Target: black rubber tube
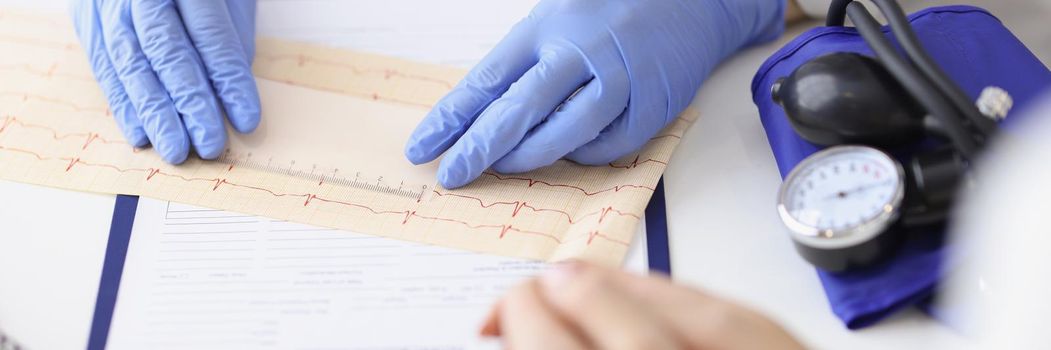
(982,125)
(837,13)
(917,84)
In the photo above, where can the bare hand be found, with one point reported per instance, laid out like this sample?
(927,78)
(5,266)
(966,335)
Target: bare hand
(581,306)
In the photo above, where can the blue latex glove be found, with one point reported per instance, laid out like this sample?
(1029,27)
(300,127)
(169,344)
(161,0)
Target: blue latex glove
(637,65)
(167,66)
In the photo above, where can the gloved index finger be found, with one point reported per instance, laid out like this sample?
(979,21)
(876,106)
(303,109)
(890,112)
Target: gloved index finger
(580,119)
(210,26)
(179,68)
(507,120)
(454,113)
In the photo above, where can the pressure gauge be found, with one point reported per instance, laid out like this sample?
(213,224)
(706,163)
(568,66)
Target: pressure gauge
(839,202)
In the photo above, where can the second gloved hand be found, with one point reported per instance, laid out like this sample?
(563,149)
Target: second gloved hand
(588,80)
(167,66)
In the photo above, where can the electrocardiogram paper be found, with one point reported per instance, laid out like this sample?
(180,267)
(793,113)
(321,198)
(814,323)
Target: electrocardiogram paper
(328,153)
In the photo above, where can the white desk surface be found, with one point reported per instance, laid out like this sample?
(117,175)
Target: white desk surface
(725,235)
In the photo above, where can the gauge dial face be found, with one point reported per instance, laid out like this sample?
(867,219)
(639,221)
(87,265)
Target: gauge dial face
(842,190)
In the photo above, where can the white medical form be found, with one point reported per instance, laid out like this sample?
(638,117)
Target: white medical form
(202,278)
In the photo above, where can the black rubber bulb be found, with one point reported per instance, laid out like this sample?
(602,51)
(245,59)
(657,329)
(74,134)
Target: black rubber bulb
(845,98)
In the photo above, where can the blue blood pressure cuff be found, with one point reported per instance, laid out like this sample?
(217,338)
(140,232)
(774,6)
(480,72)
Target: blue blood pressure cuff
(975,49)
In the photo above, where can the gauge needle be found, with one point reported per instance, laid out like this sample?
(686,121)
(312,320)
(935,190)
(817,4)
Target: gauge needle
(845,194)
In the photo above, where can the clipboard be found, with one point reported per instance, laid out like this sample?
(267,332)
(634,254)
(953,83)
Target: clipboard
(125,207)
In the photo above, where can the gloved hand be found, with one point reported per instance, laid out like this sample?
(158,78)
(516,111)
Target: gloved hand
(166,66)
(637,65)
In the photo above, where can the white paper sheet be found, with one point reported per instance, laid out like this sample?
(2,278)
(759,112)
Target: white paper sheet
(201,278)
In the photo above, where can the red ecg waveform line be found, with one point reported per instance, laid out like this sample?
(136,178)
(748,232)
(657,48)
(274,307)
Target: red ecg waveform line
(89,137)
(371,96)
(217,182)
(519,205)
(72,106)
(303,60)
(635,163)
(533,182)
(375,96)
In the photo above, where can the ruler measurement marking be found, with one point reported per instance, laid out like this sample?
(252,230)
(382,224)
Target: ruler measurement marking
(331,179)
